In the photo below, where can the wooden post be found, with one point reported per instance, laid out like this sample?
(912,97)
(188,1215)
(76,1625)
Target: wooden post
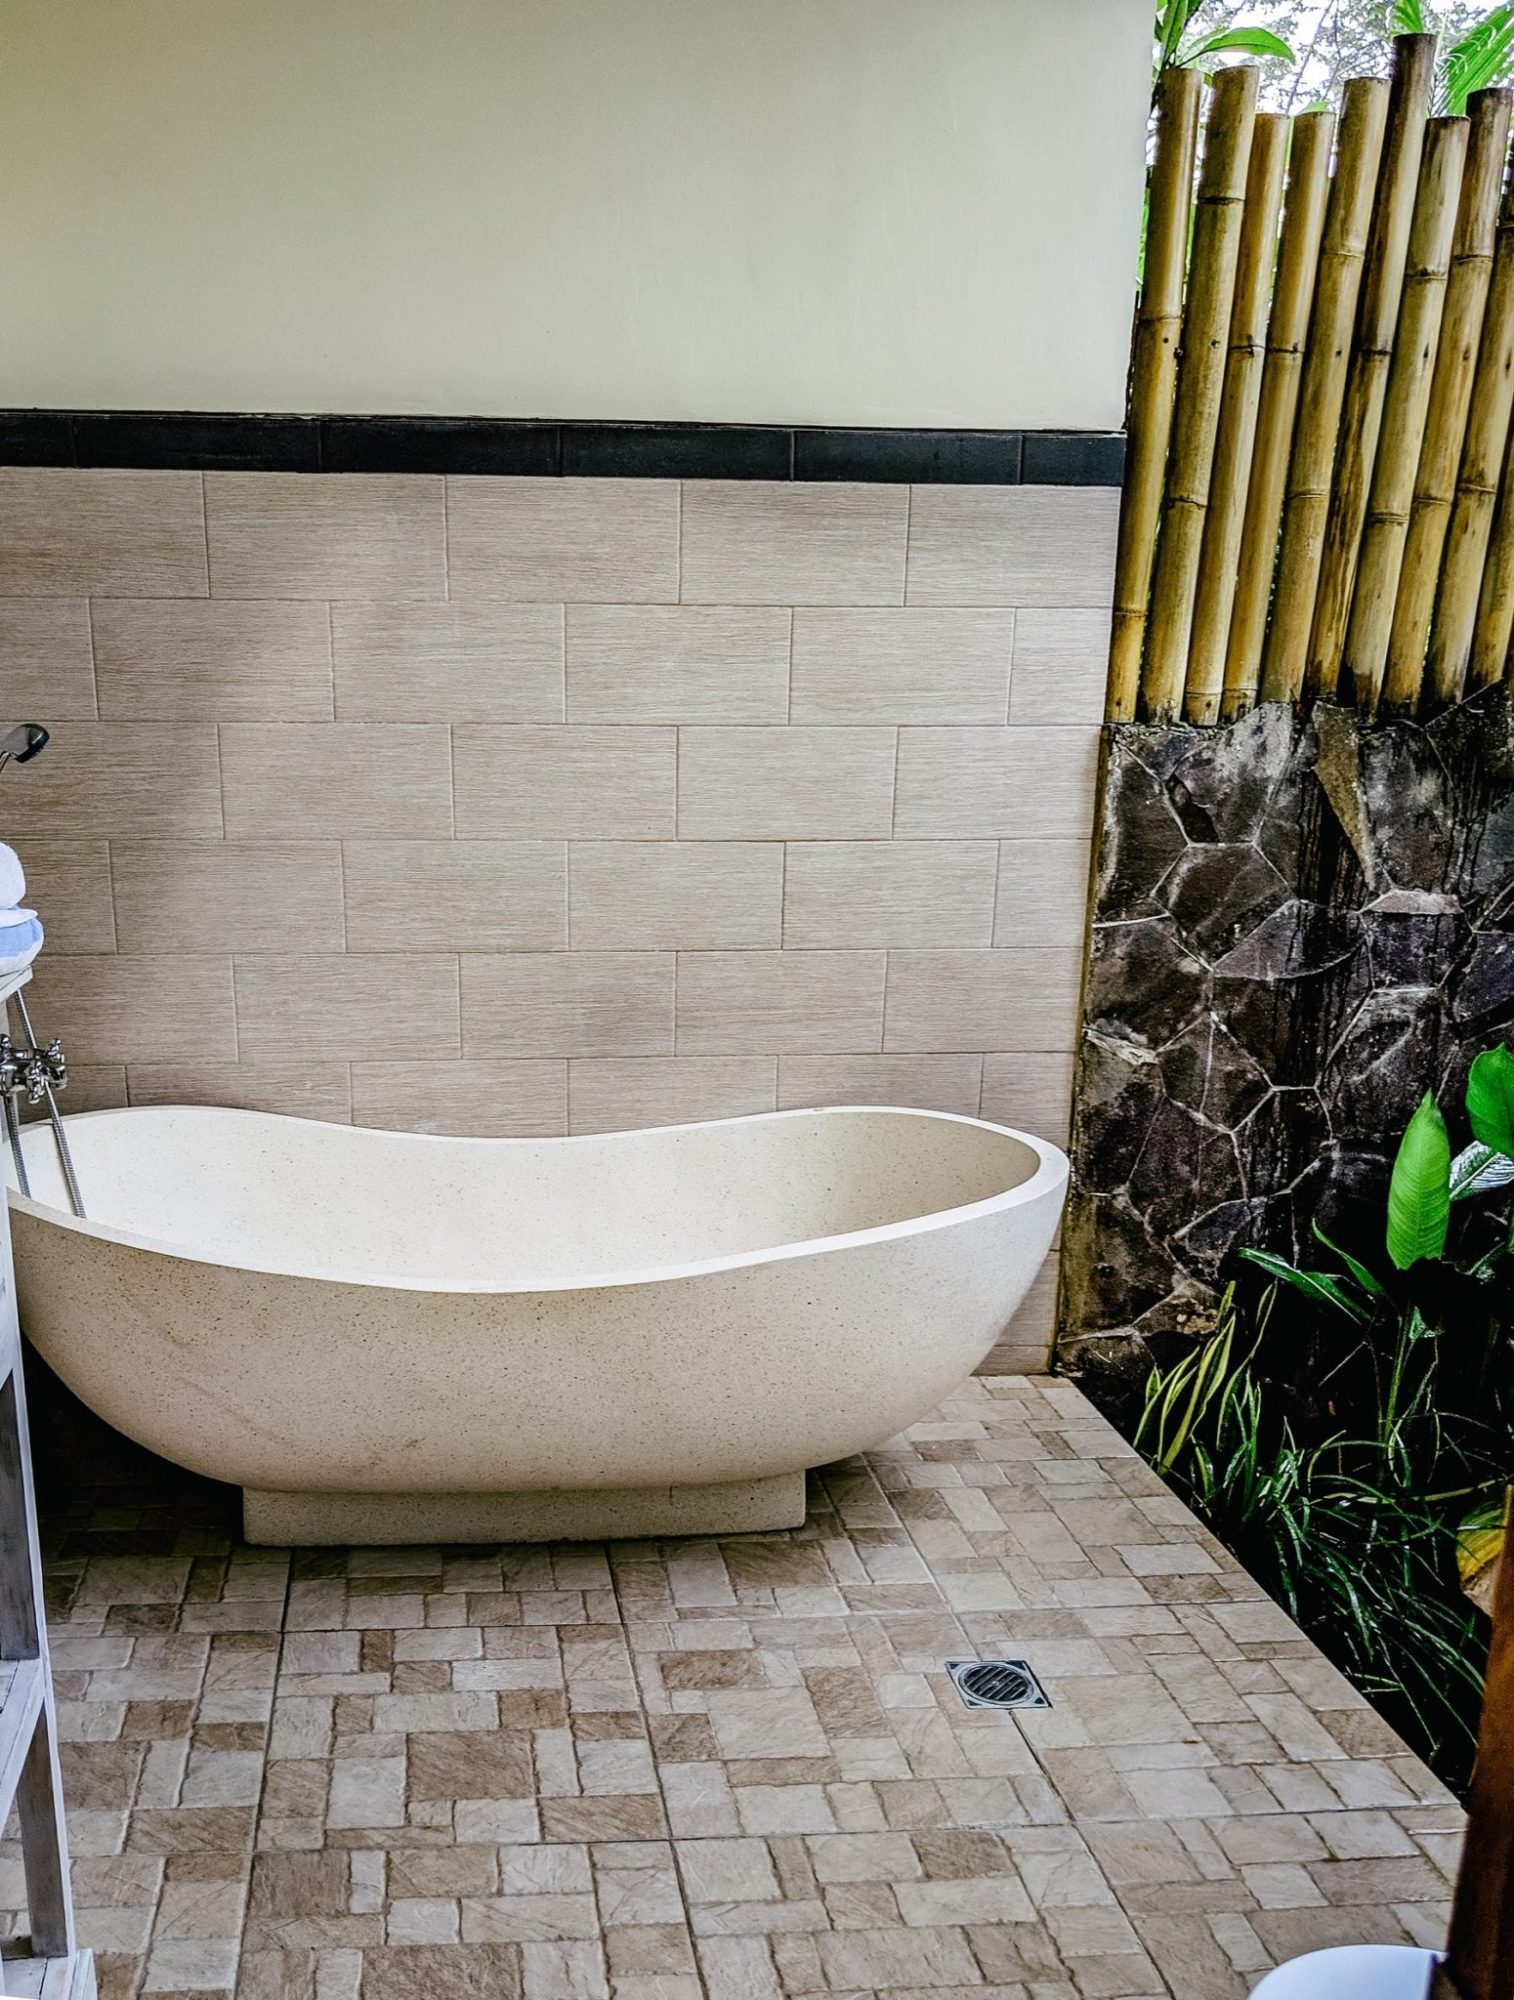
(1487,662)
(1404,410)
(1201,371)
(1450,393)
(1293,294)
(1348,218)
(1482,458)
(1481,1950)
(1236,435)
(1153,378)
(1367,381)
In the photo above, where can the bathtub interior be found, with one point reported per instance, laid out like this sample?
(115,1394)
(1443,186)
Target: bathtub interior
(283,1194)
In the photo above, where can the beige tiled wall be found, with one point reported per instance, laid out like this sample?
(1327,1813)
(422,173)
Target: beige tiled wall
(533,806)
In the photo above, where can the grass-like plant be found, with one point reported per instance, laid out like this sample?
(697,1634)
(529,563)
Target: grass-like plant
(1343,1427)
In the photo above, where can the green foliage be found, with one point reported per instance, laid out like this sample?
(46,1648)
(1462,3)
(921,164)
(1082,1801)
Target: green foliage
(1419,1194)
(1348,1430)
(1177,48)
(1314,49)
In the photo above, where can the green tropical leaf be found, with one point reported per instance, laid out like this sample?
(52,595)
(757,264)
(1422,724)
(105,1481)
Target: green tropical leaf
(1359,1271)
(1482,57)
(1316,1285)
(1490,1099)
(1419,1194)
(1244,41)
(1406,17)
(1477,1169)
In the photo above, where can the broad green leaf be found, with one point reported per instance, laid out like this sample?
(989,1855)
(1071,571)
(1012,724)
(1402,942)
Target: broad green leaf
(1482,57)
(1245,41)
(1362,1275)
(1316,1285)
(1477,1169)
(1490,1099)
(1419,1194)
(1406,17)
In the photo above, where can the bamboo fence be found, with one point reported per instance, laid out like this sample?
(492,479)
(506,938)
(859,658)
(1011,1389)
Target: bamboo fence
(1319,495)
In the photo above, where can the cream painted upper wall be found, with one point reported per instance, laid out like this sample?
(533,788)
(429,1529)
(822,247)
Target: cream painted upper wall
(800,211)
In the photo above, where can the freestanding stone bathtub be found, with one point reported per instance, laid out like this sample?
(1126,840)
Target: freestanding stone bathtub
(386,1337)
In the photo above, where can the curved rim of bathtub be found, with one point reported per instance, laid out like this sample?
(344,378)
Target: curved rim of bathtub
(1051,1172)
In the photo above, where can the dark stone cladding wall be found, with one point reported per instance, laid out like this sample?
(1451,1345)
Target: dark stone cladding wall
(1298,927)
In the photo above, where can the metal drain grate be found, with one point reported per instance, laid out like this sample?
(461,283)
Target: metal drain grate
(997,1684)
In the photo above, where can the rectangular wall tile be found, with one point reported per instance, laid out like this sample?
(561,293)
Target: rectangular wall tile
(176,895)
(337,778)
(296,534)
(901,665)
(310,1008)
(628,895)
(138,1007)
(677,663)
(474,1100)
(619,1096)
(779,1002)
(557,784)
(568,1004)
(292,1090)
(1061,665)
(944,1001)
(98,779)
(878,892)
(1019,545)
(224,662)
(933,1083)
(776,784)
(46,666)
(461,895)
(91,1087)
(1026,1345)
(761,542)
(448,662)
(68,885)
(980,783)
(1043,892)
(1032,1092)
(595,541)
(103,534)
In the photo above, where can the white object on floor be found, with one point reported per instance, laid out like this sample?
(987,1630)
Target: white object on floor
(386,1336)
(1353,1972)
(8,921)
(12,875)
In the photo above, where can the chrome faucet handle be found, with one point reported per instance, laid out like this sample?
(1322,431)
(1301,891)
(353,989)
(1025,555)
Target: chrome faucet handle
(56,1064)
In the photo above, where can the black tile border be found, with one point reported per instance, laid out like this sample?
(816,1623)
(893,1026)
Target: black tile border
(194,441)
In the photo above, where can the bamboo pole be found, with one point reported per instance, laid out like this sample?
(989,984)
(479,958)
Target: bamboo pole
(1495,604)
(1450,393)
(1201,371)
(1372,355)
(1153,378)
(1236,433)
(1293,293)
(1405,406)
(1364,105)
(1482,457)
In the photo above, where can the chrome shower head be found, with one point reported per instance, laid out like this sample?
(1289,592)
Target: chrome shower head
(22,743)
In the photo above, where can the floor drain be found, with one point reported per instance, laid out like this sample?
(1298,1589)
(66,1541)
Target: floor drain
(997,1684)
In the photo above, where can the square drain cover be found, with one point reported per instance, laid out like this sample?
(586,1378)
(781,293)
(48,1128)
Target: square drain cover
(997,1684)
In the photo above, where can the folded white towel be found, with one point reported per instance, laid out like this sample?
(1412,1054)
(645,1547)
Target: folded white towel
(12,876)
(10,918)
(19,947)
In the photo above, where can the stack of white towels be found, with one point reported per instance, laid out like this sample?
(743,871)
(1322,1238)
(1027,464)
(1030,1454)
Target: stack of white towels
(20,932)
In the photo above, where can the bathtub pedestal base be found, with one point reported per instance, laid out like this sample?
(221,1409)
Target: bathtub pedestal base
(584,1514)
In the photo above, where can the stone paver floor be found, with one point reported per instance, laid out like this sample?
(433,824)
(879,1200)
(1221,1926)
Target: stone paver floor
(735,1768)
